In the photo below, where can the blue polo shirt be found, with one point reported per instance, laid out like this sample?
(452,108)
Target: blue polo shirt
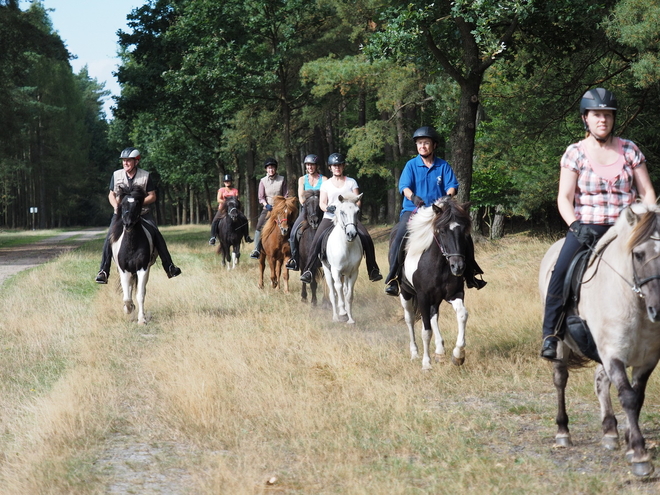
(429,183)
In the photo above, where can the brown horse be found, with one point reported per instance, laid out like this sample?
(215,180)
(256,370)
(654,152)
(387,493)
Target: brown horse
(275,241)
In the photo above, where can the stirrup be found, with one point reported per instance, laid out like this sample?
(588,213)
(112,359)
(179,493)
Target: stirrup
(292,264)
(173,271)
(549,347)
(306,277)
(392,288)
(212,241)
(102,277)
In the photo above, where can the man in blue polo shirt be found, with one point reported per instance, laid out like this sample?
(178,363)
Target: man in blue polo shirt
(424,179)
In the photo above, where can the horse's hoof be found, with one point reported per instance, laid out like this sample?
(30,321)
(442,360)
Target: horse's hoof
(629,456)
(350,322)
(457,361)
(642,468)
(439,358)
(610,443)
(342,318)
(563,441)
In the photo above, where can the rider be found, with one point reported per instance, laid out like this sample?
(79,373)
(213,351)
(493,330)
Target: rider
(127,176)
(331,189)
(425,179)
(269,186)
(599,177)
(223,193)
(312,180)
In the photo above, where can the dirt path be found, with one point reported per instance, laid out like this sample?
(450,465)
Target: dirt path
(16,259)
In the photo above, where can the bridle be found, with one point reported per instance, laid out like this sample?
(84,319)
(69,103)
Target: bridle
(443,250)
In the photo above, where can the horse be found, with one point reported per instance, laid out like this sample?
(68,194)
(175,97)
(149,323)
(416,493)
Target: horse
(232,229)
(275,241)
(308,227)
(432,271)
(342,258)
(620,301)
(132,248)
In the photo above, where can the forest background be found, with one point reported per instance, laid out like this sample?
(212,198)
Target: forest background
(212,87)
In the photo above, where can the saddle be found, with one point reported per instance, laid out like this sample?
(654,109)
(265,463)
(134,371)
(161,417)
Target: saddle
(324,243)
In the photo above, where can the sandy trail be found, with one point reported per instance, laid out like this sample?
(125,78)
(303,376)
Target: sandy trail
(16,259)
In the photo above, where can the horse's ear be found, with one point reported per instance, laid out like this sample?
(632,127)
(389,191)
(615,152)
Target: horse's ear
(436,208)
(631,216)
(341,198)
(359,197)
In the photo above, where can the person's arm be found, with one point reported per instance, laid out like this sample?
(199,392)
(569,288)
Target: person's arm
(221,196)
(112,198)
(566,195)
(301,189)
(323,200)
(356,191)
(262,194)
(285,188)
(644,185)
(451,191)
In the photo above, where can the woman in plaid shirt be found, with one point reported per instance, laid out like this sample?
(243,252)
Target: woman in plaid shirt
(600,176)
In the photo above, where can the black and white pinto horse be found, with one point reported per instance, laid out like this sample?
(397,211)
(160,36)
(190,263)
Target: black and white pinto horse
(232,229)
(308,227)
(620,302)
(433,272)
(132,249)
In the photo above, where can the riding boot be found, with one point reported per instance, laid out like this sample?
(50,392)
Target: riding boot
(106,259)
(553,319)
(161,247)
(257,245)
(472,269)
(292,264)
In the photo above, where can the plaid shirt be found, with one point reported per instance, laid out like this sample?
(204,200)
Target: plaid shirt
(597,200)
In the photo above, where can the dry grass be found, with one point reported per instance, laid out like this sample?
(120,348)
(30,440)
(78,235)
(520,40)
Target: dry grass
(234,390)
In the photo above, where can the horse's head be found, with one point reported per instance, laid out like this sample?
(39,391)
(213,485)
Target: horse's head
(284,212)
(313,212)
(644,246)
(130,202)
(346,214)
(233,207)
(451,227)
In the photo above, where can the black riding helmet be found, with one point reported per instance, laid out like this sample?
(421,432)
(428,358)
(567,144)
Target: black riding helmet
(270,161)
(227,178)
(426,132)
(598,99)
(311,159)
(336,159)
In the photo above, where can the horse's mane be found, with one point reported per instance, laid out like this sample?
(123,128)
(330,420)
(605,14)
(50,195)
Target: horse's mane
(231,199)
(428,220)
(311,192)
(280,204)
(644,228)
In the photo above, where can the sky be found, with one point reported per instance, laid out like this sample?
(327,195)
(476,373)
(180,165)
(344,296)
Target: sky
(89,30)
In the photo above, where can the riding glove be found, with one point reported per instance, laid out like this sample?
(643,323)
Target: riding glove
(584,234)
(331,208)
(419,202)
(268,207)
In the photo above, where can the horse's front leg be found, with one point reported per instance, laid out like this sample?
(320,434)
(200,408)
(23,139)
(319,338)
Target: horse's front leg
(285,276)
(409,316)
(458,356)
(235,255)
(602,385)
(349,285)
(274,273)
(262,267)
(127,289)
(631,399)
(560,378)
(331,290)
(313,287)
(339,295)
(141,293)
(439,342)
(425,310)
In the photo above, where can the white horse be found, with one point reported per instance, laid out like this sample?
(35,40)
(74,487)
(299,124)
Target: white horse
(133,250)
(343,256)
(620,302)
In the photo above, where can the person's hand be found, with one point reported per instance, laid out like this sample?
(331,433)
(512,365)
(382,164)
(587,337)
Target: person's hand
(268,207)
(331,208)
(419,202)
(584,234)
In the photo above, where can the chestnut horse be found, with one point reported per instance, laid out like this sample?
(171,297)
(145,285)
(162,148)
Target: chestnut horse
(275,241)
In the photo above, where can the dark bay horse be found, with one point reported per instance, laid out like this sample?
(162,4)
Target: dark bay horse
(620,302)
(308,227)
(132,249)
(275,241)
(232,229)
(433,272)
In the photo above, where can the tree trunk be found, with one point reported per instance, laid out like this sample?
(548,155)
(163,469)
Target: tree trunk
(462,138)
(497,227)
